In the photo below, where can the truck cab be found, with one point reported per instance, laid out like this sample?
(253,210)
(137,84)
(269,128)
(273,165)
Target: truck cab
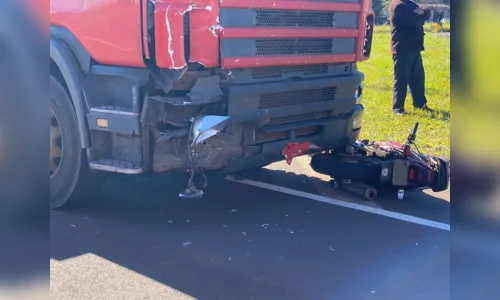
(130,77)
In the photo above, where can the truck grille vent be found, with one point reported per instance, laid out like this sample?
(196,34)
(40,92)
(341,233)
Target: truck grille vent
(302,117)
(289,98)
(278,72)
(266,47)
(281,18)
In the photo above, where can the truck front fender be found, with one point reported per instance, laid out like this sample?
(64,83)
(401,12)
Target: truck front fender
(72,75)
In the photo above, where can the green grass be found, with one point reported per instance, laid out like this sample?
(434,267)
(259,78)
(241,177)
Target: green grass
(379,123)
(387,28)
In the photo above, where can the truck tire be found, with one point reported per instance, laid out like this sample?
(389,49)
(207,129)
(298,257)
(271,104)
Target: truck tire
(71,180)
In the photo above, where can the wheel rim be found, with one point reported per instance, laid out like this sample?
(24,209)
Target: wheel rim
(56,144)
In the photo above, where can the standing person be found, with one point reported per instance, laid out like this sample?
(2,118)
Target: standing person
(407,42)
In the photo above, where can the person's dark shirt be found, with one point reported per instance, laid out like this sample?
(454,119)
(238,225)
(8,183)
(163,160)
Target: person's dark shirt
(407,32)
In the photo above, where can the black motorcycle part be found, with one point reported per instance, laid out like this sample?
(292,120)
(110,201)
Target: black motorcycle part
(360,169)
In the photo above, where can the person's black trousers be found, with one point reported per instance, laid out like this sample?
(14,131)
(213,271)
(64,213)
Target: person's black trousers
(408,71)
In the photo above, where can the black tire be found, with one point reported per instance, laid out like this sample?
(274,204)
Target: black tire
(73,182)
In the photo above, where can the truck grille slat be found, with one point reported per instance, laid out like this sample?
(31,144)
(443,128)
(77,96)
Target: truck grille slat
(289,98)
(280,18)
(279,72)
(265,47)
(302,117)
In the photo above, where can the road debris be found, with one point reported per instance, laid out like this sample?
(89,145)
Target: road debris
(72,225)
(290,231)
(186,244)
(234,210)
(265,225)
(170,221)
(244,233)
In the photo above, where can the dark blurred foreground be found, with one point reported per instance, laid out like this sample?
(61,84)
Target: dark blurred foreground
(24,231)
(24,188)
(475,139)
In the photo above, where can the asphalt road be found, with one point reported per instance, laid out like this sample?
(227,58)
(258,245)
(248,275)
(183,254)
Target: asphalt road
(138,240)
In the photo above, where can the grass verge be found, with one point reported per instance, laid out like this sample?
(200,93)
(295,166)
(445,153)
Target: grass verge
(379,123)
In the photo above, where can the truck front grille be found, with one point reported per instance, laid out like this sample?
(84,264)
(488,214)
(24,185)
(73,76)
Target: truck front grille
(279,72)
(266,47)
(283,18)
(289,98)
(302,117)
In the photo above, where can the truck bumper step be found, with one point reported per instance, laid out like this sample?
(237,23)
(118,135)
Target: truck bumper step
(115,166)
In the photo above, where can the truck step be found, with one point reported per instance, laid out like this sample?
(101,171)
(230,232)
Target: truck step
(114,119)
(115,166)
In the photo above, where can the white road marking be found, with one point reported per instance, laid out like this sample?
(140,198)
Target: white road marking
(368,209)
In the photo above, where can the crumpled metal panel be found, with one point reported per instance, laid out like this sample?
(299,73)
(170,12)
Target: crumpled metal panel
(170,35)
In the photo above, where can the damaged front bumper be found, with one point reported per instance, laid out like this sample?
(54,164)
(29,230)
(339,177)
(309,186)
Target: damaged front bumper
(262,119)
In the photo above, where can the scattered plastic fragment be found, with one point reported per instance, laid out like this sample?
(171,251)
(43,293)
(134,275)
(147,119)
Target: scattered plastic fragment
(234,210)
(186,244)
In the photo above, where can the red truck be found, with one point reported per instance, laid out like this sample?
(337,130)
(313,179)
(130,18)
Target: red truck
(129,79)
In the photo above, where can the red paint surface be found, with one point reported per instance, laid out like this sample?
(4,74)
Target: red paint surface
(169,35)
(204,46)
(294,149)
(287,60)
(366,10)
(292,5)
(110,30)
(230,33)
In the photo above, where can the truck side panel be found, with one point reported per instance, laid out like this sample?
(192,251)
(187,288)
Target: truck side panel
(110,30)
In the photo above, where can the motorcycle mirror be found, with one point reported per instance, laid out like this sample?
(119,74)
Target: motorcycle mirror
(206,127)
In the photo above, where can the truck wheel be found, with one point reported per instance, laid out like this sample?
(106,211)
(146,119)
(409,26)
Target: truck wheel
(71,180)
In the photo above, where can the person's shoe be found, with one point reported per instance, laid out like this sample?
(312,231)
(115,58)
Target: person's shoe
(399,112)
(425,108)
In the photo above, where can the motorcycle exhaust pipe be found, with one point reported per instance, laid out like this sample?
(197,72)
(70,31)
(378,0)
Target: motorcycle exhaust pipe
(367,192)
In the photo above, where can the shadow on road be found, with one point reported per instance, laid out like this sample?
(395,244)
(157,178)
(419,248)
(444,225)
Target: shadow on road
(416,203)
(241,242)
